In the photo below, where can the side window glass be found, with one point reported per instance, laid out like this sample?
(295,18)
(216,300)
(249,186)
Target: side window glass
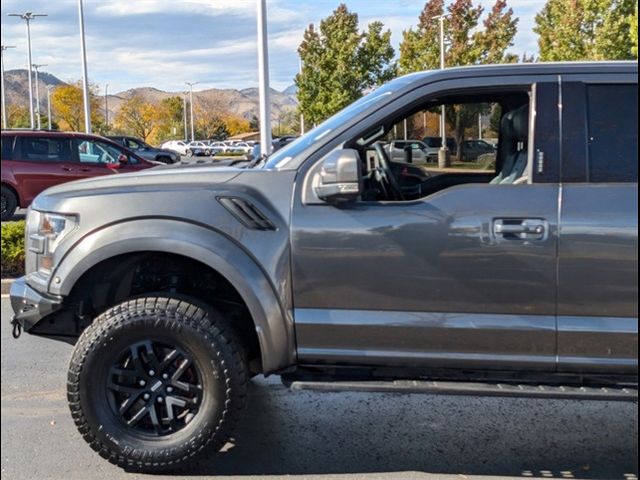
(612,118)
(467,126)
(90,151)
(42,149)
(7,147)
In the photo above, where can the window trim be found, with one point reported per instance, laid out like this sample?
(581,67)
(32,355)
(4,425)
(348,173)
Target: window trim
(19,150)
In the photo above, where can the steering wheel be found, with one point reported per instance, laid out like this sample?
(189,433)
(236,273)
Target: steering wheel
(387,175)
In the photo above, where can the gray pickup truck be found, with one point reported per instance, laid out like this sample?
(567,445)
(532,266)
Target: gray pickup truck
(339,269)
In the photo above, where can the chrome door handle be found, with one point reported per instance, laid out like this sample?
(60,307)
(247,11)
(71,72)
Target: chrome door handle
(520,228)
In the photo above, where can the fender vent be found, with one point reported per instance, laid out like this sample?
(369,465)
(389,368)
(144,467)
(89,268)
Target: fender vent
(247,213)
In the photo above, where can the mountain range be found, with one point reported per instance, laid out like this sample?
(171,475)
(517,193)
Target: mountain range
(243,102)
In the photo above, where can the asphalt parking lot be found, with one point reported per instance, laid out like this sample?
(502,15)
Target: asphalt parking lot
(329,435)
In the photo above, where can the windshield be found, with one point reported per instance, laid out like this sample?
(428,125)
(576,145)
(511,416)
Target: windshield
(284,155)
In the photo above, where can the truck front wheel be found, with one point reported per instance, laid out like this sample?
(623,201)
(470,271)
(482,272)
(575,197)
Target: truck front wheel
(155,380)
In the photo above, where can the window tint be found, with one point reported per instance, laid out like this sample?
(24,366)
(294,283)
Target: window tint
(613,133)
(90,151)
(42,149)
(7,147)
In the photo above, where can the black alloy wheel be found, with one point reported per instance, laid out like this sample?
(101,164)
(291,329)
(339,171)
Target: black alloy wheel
(154,388)
(154,380)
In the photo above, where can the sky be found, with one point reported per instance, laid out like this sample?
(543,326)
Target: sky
(164,43)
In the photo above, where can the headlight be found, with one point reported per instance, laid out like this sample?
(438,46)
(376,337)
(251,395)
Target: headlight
(51,229)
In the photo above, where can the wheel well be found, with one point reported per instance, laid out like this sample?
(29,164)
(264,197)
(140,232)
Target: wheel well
(13,190)
(116,279)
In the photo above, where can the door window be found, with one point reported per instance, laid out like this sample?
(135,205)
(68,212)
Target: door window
(612,112)
(43,149)
(96,152)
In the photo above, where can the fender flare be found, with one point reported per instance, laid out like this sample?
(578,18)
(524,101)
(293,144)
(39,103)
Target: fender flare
(205,245)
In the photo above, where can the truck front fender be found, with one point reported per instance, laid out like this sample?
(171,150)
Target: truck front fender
(203,244)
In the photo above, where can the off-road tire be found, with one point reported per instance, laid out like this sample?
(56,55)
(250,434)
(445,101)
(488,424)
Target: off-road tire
(193,327)
(9,203)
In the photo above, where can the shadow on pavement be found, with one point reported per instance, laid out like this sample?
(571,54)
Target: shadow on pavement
(294,433)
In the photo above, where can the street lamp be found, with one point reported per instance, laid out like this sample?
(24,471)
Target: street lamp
(443,153)
(36,67)
(85,79)
(49,87)
(27,17)
(106,107)
(184,114)
(4,101)
(263,79)
(191,84)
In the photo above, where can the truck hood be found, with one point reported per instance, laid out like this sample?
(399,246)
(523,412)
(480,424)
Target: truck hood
(150,180)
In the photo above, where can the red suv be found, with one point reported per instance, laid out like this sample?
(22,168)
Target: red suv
(35,160)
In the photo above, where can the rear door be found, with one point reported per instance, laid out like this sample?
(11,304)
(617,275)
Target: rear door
(598,247)
(41,162)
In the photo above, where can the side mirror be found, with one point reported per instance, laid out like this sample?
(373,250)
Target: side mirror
(339,177)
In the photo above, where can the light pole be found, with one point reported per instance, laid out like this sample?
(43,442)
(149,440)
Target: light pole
(443,153)
(106,107)
(49,87)
(301,114)
(27,17)
(4,101)
(263,79)
(85,79)
(37,67)
(191,84)
(184,114)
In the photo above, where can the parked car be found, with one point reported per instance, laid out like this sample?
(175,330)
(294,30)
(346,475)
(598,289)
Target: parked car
(198,148)
(145,150)
(177,146)
(217,146)
(240,147)
(280,142)
(434,144)
(333,268)
(410,151)
(472,149)
(33,161)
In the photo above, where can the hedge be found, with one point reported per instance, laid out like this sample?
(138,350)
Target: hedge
(12,249)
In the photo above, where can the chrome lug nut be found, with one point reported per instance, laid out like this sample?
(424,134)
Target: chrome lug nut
(142,383)
(160,400)
(169,389)
(146,396)
(151,373)
(165,376)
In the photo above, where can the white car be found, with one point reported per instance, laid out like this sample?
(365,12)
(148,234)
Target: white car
(176,145)
(240,147)
(419,151)
(218,147)
(198,148)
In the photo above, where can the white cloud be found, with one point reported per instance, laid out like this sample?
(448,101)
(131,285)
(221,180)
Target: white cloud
(162,43)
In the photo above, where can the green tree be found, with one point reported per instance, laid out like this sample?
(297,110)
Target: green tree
(467,44)
(339,63)
(633,29)
(169,119)
(587,30)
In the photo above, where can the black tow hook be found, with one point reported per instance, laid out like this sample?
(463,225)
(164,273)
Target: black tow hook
(17,328)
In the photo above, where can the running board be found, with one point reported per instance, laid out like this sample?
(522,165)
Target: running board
(471,388)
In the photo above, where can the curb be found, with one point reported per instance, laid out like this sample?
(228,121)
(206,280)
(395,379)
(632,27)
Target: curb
(6,285)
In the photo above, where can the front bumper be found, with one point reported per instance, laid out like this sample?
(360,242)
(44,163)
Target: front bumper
(29,305)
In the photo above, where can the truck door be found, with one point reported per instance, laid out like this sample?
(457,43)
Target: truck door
(462,278)
(598,246)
